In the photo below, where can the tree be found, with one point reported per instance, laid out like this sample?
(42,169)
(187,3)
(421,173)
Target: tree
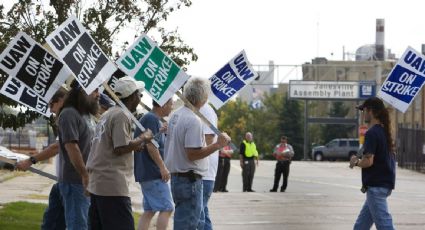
(291,125)
(105,19)
(234,118)
(278,116)
(331,131)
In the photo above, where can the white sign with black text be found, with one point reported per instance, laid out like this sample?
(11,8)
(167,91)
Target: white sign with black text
(74,45)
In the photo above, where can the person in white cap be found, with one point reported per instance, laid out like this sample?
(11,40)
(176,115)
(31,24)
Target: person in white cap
(110,163)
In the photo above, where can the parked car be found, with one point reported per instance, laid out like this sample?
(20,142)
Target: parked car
(341,148)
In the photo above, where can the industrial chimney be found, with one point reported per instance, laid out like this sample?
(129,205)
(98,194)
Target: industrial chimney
(380,40)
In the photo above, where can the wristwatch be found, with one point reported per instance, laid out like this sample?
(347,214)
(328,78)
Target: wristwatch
(33,160)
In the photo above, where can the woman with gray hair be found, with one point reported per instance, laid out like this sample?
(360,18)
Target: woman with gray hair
(185,155)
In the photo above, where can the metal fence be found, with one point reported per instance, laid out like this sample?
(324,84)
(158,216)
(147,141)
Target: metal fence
(411,148)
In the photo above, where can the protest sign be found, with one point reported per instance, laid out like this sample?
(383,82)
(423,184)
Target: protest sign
(14,89)
(405,80)
(146,62)
(230,79)
(74,45)
(39,70)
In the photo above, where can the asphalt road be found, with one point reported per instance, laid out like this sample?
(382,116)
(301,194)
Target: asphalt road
(320,195)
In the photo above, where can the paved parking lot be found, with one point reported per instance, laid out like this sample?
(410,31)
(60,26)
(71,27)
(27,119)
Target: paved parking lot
(320,195)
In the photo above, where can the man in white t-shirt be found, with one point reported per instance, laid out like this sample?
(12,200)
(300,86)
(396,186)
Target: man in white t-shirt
(208,178)
(185,155)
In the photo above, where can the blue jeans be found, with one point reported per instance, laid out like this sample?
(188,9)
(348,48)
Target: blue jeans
(76,206)
(188,199)
(54,217)
(205,221)
(375,210)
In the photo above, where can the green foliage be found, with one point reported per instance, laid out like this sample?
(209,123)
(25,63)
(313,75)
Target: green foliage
(21,215)
(332,131)
(275,118)
(104,19)
(234,119)
(291,125)
(25,215)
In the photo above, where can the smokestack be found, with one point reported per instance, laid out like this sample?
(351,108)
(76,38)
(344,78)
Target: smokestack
(380,39)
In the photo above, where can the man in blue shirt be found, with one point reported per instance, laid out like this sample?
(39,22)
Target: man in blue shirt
(151,173)
(378,166)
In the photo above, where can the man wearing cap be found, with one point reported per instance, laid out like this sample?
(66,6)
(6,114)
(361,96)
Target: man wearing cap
(110,164)
(186,155)
(378,166)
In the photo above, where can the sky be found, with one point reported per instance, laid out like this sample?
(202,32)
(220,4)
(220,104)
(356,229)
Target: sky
(293,32)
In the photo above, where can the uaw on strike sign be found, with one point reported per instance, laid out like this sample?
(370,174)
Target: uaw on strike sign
(405,80)
(146,62)
(230,79)
(74,45)
(34,74)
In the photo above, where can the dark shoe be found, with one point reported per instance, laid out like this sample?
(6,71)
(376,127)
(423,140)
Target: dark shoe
(273,190)
(250,190)
(225,190)
(282,190)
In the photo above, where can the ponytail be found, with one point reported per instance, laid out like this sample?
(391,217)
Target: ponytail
(384,117)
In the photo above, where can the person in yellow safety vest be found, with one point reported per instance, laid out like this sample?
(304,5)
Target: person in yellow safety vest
(248,152)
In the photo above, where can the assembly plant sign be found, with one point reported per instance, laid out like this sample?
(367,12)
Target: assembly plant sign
(146,62)
(230,79)
(74,45)
(343,90)
(28,61)
(405,80)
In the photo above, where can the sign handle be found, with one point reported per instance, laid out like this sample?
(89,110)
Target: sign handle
(34,170)
(203,118)
(119,102)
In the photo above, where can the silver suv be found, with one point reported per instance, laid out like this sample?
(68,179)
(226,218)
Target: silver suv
(342,148)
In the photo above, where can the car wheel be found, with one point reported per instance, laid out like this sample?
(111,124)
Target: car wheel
(318,156)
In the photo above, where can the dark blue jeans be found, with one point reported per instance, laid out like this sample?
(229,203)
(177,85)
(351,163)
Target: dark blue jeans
(205,221)
(76,206)
(187,196)
(54,215)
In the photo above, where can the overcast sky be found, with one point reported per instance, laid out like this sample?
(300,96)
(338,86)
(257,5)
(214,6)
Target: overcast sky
(293,32)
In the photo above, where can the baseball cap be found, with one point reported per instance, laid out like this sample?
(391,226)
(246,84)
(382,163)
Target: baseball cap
(105,101)
(372,103)
(126,86)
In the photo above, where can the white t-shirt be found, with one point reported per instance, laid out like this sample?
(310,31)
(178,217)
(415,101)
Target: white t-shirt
(184,131)
(211,116)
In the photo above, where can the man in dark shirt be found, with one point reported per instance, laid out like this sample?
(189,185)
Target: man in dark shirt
(152,174)
(378,166)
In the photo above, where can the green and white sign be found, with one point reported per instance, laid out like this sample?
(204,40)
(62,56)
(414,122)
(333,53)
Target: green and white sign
(146,62)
